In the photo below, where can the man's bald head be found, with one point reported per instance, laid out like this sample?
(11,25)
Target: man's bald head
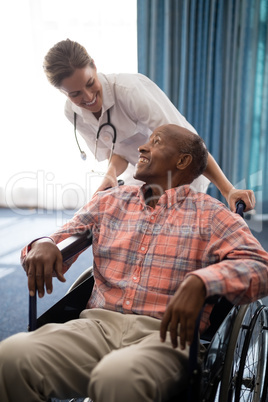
(172,152)
(187,142)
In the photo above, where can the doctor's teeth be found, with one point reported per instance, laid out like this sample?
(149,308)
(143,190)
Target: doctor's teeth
(90,103)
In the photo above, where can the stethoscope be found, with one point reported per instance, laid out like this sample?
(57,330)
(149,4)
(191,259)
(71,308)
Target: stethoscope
(82,153)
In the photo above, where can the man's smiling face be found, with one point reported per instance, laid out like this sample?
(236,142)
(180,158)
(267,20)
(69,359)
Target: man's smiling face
(158,157)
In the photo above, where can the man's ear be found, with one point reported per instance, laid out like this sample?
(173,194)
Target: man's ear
(184,161)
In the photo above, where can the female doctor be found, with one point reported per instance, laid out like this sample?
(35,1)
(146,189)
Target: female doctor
(116,113)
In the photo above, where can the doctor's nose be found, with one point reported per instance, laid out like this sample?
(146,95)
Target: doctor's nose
(88,96)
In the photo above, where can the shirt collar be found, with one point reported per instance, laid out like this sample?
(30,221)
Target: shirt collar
(170,197)
(107,94)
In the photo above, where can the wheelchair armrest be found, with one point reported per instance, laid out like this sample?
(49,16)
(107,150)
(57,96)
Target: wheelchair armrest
(69,307)
(69,248)
(75,244)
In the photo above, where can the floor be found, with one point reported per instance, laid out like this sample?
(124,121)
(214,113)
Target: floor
(18,228)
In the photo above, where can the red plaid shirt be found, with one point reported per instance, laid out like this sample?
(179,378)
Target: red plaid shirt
(141,254)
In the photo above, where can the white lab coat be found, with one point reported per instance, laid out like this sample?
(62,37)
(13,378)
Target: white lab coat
(137,106)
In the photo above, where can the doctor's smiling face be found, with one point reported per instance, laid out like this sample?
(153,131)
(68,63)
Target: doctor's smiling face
(84,89)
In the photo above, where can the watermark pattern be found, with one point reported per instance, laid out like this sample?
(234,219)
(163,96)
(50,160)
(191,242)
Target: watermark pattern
(28,193)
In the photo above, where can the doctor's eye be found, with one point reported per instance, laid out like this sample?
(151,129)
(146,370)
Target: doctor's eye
(90,84)
(74,95)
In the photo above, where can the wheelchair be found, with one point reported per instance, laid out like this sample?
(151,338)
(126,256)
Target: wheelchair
(235,362)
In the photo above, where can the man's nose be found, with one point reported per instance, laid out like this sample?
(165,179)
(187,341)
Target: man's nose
(144,147)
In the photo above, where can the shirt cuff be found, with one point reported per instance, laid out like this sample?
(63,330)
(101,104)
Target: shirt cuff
(29,246)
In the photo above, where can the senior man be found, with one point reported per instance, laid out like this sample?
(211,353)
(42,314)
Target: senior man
(159,250)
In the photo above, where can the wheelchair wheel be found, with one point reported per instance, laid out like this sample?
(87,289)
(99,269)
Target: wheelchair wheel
(212,365)
(243,377)
(265,387)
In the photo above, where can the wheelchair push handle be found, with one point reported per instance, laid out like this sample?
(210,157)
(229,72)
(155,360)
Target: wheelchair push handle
(119,183)
(240,207)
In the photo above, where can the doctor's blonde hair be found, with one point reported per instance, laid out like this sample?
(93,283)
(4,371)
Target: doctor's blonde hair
(63,59)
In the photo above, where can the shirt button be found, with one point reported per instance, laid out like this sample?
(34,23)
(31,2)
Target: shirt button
(152,218)
(134,278)
(142,248)
(127,302)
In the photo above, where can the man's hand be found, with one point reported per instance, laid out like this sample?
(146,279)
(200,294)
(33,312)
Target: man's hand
(245,195)
(41,262)
(183,309)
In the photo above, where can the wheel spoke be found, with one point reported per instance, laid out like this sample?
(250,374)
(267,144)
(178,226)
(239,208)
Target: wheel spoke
(247,366)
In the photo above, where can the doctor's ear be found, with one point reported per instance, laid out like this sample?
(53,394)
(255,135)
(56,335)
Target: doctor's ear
(184,161)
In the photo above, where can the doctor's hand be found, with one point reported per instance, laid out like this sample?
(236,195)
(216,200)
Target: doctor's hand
(107,182)
(183,309)
(247,196)
(116,167)
(42,262)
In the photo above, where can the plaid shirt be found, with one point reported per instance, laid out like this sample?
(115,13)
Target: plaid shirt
(141,254)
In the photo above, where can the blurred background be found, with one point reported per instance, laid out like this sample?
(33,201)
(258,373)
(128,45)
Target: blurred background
(41,165)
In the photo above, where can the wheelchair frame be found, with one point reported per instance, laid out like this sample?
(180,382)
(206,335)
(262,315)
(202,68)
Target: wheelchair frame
(235,364)
(235,367)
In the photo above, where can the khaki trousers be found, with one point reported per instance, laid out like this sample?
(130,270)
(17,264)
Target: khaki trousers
(105,355)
